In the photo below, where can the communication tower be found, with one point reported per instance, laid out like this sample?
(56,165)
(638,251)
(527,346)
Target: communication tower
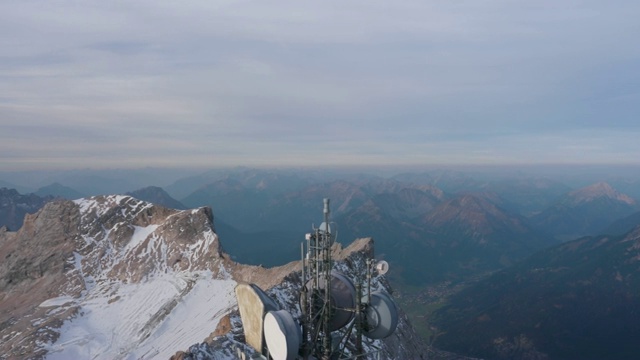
(330,301)
(334,311)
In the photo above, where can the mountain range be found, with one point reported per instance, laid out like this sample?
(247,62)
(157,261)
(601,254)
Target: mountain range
(433,228)
(578,300)
(586,211)
(59,191)
(431,234)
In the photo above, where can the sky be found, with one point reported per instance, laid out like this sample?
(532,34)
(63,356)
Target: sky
(104,84)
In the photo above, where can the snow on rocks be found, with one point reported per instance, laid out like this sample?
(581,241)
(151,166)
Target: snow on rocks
(150,319)
(143,281)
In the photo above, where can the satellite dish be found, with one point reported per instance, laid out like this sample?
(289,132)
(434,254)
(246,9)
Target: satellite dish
(282,335)
(382,267)
(324,227)
(343,296)
(381,316)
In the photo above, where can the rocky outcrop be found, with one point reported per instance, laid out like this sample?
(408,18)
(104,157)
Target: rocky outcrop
(73,252)
(130,239)
(14,206)
(34,267)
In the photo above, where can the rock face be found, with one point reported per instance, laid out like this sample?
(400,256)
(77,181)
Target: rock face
(14,206)
(111,269)
(115,277)
(139,239)
(33,269)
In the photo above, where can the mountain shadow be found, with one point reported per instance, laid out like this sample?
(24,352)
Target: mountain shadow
(585,211)
(623,225)
(579,300)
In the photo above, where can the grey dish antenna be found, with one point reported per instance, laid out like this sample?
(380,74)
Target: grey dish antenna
(381,316)
(342,297)
(325,227)
(382,267)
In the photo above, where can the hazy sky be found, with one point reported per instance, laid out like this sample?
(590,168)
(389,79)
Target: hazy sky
(218,83)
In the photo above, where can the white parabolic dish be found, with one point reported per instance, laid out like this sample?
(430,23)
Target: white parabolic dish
(282,335)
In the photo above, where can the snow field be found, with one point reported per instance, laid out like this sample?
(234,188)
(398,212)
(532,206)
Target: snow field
(152,319)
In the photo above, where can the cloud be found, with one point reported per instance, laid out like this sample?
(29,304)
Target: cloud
(91,83)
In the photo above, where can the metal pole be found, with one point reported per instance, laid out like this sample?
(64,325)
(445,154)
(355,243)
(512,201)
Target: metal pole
(369,270)
(326,264)
(359,320)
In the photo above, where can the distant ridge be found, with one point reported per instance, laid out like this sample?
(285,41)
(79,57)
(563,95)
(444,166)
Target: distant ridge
(585,211)
(460,237)
(60,191)
(528,195)
(596,191)
(14,206)
(579,300)
(479,234)
(623,225)
(157,195)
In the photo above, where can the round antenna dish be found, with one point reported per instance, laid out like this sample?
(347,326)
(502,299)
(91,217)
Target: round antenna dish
(282,335)
(381,316)
(382,267)
(325,227)
(343,296)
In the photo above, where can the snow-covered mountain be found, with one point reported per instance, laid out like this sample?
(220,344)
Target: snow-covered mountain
(113,277)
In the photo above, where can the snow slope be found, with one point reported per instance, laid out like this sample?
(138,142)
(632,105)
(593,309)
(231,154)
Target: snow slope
(147,281)
(152,319)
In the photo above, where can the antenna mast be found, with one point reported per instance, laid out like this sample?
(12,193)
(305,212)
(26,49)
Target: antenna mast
(329,301)
(315,297)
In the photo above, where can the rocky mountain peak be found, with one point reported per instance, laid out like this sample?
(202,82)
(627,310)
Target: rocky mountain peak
(147,237)
(585,211)
(471,211)
(14,206)
(599,190)
(107,261)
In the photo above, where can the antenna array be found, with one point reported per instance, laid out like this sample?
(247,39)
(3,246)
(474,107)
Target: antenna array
(329,301)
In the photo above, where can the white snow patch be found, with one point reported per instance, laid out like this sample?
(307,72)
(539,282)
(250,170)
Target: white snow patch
(58,301)
(153,319)
(89,204)
(140,234)
(192,320)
